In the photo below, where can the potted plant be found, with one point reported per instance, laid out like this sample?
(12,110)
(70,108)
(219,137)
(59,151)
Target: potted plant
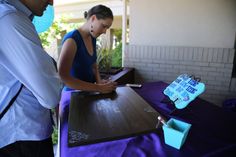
(109,56)
(105,58)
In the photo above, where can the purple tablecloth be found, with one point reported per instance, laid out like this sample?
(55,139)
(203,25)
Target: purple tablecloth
(212,133)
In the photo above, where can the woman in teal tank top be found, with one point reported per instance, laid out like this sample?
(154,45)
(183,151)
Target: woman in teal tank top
(77,63)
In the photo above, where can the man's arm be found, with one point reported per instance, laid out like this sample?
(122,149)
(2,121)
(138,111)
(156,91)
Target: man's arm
(26,60)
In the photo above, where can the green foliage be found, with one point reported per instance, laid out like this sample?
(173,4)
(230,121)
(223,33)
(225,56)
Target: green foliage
(104,59)
(117,51)
(118,34)
(117,56)
(107,57)
(103,55)
(55,136)
(55,31)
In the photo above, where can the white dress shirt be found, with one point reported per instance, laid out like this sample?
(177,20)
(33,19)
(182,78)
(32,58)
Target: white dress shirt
(23,60)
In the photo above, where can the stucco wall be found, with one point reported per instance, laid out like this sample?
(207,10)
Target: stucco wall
(194,23)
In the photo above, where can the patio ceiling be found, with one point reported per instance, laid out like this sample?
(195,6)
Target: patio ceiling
(63,2)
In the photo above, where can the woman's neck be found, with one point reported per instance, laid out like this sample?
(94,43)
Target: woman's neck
(84,30)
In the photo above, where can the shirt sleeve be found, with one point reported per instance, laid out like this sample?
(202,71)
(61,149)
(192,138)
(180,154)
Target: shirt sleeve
(27,61)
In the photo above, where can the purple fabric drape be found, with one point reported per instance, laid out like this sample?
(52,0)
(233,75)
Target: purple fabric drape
(213,131)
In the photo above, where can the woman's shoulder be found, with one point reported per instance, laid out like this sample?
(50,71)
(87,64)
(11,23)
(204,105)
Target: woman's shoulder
(74,34)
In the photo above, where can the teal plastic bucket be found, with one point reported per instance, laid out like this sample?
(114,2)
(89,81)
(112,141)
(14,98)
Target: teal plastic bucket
(176,132)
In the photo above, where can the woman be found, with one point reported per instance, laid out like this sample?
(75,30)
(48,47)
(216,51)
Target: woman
(77,63)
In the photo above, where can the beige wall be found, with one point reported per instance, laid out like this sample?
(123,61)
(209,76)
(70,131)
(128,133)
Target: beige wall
(194,23)
(173,37)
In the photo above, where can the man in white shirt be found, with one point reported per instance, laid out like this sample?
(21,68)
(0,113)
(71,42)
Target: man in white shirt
(26,127)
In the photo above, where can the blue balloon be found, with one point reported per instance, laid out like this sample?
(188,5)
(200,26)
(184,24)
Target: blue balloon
(42,23)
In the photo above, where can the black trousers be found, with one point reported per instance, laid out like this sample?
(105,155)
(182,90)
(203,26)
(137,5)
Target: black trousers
(42,148)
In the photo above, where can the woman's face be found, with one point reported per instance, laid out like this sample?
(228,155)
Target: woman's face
(37,6)
(100,26)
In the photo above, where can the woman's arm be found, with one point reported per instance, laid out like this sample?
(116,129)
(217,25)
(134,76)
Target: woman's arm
(97,73)
(64,65)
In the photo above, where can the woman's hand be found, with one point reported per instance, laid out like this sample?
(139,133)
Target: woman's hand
(107,87)
(103,81)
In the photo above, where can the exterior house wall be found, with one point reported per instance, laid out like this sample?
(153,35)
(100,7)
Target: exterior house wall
(165,63)
(170,37)
(193,23)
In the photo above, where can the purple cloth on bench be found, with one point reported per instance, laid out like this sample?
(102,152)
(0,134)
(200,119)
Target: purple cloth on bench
(212,133)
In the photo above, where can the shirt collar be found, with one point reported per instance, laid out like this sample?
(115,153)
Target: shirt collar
(20,7)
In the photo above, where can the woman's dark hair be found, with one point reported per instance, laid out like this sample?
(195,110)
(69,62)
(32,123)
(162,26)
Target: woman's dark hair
(101,12)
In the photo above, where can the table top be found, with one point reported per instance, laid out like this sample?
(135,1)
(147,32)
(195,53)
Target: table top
(95,117)
(212,132)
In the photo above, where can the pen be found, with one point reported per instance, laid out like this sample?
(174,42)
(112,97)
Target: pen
(162,121)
